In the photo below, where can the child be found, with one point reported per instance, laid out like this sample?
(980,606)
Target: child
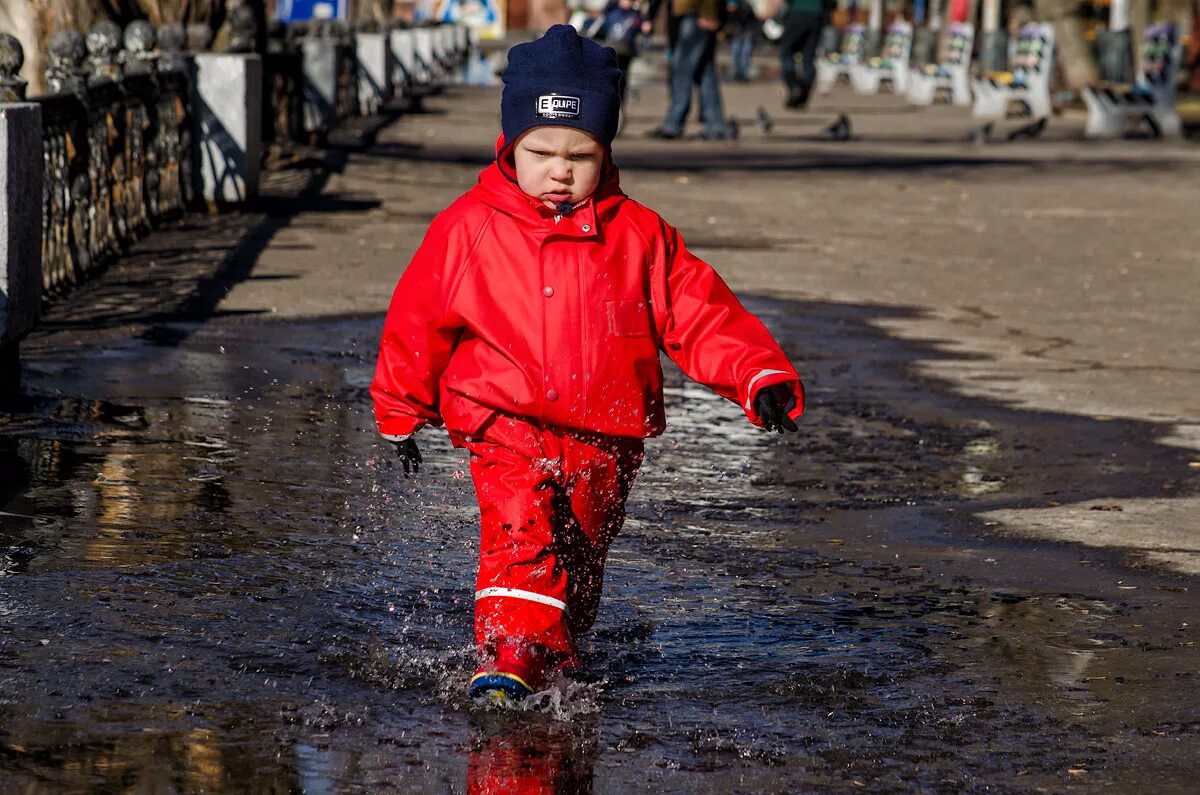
(529,323)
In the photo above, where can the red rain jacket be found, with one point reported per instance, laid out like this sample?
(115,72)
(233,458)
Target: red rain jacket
(508,307)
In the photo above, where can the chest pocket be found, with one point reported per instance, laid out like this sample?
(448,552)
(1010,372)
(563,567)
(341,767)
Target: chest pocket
(628,318)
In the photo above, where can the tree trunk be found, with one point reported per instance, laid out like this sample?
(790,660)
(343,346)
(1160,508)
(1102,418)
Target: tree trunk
(1078,67)
(1139,20)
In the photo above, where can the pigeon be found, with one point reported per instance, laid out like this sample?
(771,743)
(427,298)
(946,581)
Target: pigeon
(839,130)
(764,121)
(980,134)
(1031,130)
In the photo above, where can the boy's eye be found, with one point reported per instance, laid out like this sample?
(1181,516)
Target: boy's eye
(583,156)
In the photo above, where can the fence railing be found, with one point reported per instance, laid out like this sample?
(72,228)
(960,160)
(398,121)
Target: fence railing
(126,130)
(116,136)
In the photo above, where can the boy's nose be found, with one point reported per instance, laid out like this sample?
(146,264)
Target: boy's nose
(561,171)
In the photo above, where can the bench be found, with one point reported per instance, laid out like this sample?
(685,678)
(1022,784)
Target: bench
(890,66)
(834,65)
(1151,99)
(953,75)
(1028,82)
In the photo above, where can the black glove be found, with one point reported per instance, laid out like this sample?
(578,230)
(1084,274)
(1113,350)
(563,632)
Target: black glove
(773,404)
(409,455)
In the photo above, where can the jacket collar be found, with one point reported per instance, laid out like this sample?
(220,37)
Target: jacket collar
(497,187)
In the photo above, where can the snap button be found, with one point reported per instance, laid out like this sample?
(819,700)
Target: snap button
(548,291)
(551,395)
(587,227)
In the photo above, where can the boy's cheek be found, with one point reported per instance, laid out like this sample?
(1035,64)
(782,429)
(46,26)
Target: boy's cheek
(589,182)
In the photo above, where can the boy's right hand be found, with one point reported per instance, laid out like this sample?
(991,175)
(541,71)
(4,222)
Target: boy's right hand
(409,455)
(773,404)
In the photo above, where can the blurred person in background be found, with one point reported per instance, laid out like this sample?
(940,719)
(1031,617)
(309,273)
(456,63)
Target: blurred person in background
(803,21)
(744,30)
(696,24)
(618,26)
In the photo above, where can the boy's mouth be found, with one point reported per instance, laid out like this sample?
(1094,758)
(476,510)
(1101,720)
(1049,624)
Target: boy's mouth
(557,196)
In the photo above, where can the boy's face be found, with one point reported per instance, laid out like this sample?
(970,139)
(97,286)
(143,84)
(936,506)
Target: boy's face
(558,164)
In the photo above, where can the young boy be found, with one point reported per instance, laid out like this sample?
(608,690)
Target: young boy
(529,323)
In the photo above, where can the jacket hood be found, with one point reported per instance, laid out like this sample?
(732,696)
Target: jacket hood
(497,187)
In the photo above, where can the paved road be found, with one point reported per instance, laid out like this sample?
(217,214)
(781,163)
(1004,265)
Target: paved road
(1053,275)
(212,578)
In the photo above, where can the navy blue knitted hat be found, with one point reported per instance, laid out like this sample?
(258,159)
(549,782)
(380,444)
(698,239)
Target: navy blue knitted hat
(562,80)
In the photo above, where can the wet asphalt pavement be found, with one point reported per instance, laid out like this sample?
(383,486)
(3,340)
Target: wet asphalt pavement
(214,578)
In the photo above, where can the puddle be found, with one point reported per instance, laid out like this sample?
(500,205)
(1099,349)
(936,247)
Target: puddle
(213,576)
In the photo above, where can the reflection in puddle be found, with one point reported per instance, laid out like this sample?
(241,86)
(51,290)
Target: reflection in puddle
(988,446)
(976,482)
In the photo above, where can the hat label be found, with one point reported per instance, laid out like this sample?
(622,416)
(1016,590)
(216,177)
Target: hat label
(557,106)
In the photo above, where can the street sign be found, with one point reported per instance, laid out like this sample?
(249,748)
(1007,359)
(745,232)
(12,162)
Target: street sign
(305,10)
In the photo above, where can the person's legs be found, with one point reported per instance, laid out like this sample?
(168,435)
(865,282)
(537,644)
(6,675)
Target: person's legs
(686,60)
(712,109)
(623,63)
(808,53)
(751,42)
(801,35)
(600,473)
(521,589)
(789,43)
(549,506)
(742,46)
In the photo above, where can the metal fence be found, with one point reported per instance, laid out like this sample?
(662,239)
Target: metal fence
(119,137)
(116,145)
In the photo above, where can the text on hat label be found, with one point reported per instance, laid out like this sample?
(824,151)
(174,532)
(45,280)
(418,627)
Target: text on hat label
(557,106)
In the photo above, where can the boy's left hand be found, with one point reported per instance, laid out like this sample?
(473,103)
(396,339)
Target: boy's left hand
(409,455)
(772,404)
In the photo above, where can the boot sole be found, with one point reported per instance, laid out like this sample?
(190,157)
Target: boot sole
(496,686)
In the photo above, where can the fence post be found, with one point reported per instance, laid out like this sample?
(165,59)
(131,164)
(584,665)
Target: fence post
(404,60)
(228,111)
(374,56)
(20,218)
(20,232)
(320,66)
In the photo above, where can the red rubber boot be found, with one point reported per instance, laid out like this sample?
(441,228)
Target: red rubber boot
(516,671)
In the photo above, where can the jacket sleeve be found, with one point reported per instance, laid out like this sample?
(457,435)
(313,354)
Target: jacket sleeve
(419,336)
(711,336)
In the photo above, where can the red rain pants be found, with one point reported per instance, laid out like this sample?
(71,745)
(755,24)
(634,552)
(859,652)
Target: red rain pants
(550,503)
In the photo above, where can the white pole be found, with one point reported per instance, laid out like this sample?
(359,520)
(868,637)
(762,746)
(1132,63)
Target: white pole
(934,15)
(1118,15)
(991,16)
(875,15)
